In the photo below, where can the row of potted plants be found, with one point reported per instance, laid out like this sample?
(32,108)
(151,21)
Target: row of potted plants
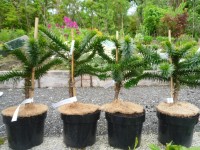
(126,67)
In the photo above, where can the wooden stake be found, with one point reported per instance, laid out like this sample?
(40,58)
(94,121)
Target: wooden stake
(33,69)
(170,59)
(117,56)
(116,60)
(72,67)
(36,28)
(36,37)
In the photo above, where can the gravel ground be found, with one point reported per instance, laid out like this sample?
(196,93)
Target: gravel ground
(148,96)
(53,143)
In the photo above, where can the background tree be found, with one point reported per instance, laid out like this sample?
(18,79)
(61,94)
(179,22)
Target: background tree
(176,21)
(152,19)
(193,26)
(21,13)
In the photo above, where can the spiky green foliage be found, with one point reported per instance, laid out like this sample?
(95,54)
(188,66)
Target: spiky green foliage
(166,69)
(128,71)
(84,52)
(150,54)
(186,67)
(182,67)
(33,56)
(14,75)
(152,57)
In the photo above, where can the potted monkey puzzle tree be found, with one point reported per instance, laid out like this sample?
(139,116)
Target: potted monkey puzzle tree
(180,66)
(177,118)
(79,119)
(124,119)
(28,130)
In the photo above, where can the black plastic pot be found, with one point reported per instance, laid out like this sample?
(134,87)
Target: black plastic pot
(80,130)
(26,132)
(123,130)
(175,129)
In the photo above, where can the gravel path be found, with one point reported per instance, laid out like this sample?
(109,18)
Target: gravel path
(148,96)
(56,143)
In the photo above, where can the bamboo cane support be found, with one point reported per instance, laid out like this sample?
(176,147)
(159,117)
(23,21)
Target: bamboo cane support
(117,56)
(36,37)
(116,60)
(72,67)
(170,59)
(33,69)
(36,28)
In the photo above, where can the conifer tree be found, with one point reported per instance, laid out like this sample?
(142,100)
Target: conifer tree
(128,67)
(84,52)
(35,60)
(182,65)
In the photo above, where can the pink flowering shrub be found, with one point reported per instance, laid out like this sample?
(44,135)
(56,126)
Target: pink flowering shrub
(67,24)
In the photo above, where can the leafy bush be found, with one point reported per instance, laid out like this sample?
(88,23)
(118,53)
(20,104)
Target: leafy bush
(172,147)
(2,140)
(162,38)
(174,19)
(143,39)
(139,38)
(10,34)
(147,39)
(177,24)
(152,16)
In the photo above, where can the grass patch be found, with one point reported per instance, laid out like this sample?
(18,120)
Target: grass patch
(9,62)
(2,140)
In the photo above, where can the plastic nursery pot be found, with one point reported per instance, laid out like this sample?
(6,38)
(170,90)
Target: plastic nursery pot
(175,129)
(80,130)
(124,129)
(26,132)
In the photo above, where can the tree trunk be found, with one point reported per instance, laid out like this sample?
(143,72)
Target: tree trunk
(27,19)
(39,83)
(117,90)
(122,24)
(70,85)
(70,88)
(27,85)
(91,81)
(92,19)
(193,19)
(32,88)
(81,80)
(71,82)
(176,91)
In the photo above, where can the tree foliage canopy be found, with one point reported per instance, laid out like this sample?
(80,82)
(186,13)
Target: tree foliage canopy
(34,56)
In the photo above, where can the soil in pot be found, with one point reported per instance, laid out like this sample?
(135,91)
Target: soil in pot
(124,121)
(176,122)
(79,124)
(28,130)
